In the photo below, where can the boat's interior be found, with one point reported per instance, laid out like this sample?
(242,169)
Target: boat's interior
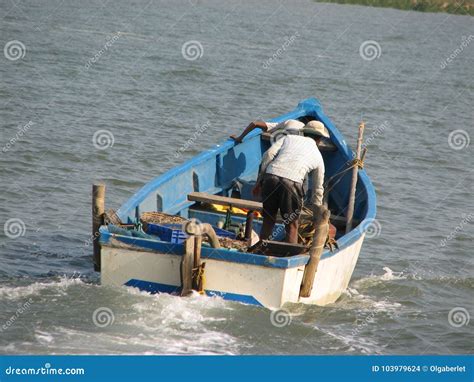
(229,171)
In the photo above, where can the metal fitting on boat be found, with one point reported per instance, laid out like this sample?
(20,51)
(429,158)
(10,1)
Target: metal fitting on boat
(196,228)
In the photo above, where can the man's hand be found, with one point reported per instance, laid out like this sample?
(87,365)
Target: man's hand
(236,139)
(257,190)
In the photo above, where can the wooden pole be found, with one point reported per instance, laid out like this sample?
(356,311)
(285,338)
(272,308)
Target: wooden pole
(197,269)
(98,210)
(187,266)
(355,170)
(321,229)
(197,251)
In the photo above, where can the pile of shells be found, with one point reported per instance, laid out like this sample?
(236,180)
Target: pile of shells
(162,218)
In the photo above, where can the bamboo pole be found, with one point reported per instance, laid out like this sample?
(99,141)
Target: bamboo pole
(355,170)
(98,210)
(321,229)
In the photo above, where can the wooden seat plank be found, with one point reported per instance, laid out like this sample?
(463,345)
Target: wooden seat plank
(251,205)
(204,197)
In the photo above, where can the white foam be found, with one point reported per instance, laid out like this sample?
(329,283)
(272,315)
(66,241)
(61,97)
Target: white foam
(43,337)
(35,288)
(389,275)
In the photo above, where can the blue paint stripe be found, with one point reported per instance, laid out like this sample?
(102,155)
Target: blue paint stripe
(153,287)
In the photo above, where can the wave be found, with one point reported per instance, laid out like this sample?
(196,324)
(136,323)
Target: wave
(36,288)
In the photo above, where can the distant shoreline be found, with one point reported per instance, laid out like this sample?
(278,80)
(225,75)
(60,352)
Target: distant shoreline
(465,7)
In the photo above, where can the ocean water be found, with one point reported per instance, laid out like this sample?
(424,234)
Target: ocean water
(108,91)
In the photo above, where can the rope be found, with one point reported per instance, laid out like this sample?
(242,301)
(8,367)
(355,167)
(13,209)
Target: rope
(306,227)
(353,163)
(199,279)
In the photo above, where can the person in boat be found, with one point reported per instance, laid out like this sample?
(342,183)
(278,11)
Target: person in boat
(290,126)
(282,173)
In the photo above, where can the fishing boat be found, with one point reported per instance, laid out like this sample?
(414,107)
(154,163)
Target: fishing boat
(223,176)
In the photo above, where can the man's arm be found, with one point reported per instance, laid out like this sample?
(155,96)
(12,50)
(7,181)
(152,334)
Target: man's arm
(268,157)
(253,125)
(317,188)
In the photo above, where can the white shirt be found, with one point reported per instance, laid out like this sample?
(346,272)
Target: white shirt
(294,157)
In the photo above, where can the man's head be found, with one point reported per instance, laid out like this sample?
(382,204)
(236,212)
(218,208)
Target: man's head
(315,130)
(292,126)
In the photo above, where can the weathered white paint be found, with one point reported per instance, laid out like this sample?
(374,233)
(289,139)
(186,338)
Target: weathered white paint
(272,287)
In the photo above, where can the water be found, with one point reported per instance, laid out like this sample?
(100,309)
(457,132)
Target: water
(414,270)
